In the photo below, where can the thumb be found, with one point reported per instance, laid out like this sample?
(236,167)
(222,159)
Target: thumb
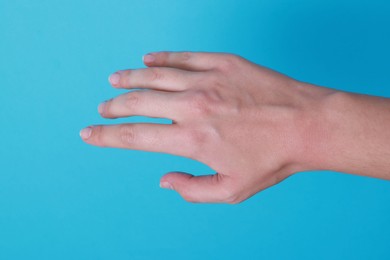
(205,188)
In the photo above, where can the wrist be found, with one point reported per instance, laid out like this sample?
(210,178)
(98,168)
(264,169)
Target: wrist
(318,122)
(355,135)
(347,132)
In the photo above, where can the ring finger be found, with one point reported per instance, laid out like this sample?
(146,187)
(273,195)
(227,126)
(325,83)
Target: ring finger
(167,79)
(150,103)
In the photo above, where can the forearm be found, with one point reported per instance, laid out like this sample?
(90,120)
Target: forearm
(355,135)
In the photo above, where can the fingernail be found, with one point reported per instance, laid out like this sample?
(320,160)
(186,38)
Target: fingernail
(101,107)
(149,58)
(114,78)
(86,132)
(166,185)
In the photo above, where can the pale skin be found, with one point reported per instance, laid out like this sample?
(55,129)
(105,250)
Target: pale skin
(252,125)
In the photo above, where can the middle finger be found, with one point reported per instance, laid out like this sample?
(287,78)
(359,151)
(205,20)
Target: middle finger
(150,103)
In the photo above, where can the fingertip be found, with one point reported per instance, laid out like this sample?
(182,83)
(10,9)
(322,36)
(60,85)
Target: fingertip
(101,108)
(172,177)
(86,133)
(149,58)
(166,185)
(114,79)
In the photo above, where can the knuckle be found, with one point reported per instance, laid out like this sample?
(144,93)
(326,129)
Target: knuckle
(127,135)
(198,141)
(197,137)
(230,196)
(234,200)
(212,80)
(156,74)
(199,103)
(214,84)
(131,100)
(229,62)
(186,56)
(205,102)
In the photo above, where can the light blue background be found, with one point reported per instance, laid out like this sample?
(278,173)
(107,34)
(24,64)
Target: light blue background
(63,199)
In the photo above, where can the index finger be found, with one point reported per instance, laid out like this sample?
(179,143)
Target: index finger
(194,61)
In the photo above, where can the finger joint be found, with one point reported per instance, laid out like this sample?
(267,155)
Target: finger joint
(156,74)
(131,100)
(127,135)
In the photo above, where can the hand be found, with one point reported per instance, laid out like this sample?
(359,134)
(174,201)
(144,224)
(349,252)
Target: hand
(253,126)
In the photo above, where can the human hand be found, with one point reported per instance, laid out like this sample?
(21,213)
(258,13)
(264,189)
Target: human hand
(252,125)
